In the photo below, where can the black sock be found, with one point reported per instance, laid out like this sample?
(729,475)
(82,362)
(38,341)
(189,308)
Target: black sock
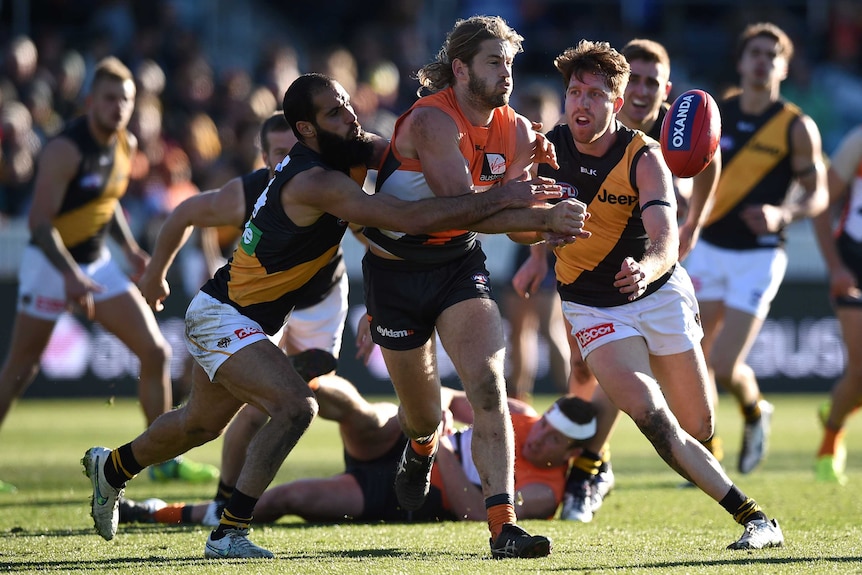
(237,514)
(223,492)
(742,507)
(122,466)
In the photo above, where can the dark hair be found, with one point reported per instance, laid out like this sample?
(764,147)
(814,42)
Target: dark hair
(578,410)
(597,58)
(765,30)
(462,43)
(298,103)
(647,50)
(275,123)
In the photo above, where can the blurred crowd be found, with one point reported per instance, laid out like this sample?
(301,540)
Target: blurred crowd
(202,94)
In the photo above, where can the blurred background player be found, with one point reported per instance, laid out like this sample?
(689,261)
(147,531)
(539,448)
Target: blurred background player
(81,176)
(841,246)
(767,145)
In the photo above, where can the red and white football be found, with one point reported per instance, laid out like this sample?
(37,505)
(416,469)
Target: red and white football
(690,133)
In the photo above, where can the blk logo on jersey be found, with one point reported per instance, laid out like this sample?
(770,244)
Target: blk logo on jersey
(493,168)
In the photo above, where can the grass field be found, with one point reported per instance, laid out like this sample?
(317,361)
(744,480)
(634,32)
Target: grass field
(648,525)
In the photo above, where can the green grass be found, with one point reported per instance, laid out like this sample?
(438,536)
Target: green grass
(648,525)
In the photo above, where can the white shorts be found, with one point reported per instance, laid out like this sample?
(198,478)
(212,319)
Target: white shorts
(321,325)
(42,289)
(668,320)
(745,280)
(215,331)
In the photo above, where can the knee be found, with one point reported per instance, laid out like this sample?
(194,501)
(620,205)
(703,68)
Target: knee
(701,428)
(657,427)
(295,411)
(157,352)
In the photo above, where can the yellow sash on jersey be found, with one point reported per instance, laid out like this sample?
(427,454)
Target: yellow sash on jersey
(759,156)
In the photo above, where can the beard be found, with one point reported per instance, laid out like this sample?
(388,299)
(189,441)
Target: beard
(342,154)
(484,96)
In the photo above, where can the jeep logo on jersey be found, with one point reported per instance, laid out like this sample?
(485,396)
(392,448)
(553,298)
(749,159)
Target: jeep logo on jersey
(681,137)
(585,336)
(250,238)
(493,168)
(570,192)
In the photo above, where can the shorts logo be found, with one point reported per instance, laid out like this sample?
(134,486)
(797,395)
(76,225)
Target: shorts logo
(246,332)
(590,334)
(394,333)
(50,305)
(223,342)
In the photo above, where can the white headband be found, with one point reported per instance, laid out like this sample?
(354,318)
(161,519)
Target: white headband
(567,427)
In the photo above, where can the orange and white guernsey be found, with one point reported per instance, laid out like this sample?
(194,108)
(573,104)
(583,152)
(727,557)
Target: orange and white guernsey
(487,150)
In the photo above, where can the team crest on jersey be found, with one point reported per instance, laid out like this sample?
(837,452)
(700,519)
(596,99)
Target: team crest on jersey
(570,192)
(493,168)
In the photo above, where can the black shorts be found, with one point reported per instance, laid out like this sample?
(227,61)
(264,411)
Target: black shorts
(850,252)
(404,299)
(376,479)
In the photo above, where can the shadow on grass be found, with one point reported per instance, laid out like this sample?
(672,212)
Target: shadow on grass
(744,562)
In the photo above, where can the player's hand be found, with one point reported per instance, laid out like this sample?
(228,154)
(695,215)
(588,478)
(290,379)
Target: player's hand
(154,287)
(138,260)
(523,193)
(544,151)
(557,240)
(631,279)
(764,218)
(568,218)
(364,345)
(529,276)
(842,284)
(79,290)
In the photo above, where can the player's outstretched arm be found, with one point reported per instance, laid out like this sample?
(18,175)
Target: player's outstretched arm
(223,207)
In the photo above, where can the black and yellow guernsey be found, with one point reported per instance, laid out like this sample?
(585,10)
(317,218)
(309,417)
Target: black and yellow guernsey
(586,268)
(91,197)
(756,152)
(277,264)
(253,185)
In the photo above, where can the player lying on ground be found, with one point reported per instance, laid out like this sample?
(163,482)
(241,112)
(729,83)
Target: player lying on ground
(373,443)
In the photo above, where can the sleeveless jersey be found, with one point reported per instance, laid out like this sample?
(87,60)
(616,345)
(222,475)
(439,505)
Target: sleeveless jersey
(756,152)
(253,184)
(525,472)
(277,264)
(91,197)
(586,268)
(487,152)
